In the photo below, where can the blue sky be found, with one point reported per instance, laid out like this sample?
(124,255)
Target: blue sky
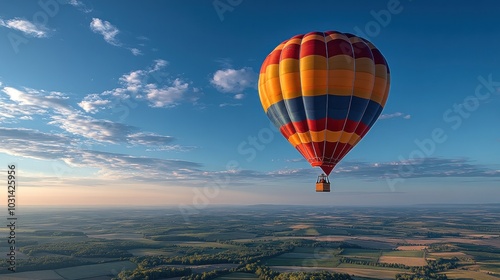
(155,103)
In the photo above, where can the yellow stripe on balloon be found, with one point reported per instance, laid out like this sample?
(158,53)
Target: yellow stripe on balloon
(313,82)
(324,135)
(294,140)
(290,88)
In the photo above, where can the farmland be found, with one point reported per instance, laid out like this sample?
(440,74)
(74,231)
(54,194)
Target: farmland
(461,242)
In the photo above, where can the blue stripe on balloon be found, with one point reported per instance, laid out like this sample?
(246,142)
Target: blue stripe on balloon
(295,108)
(313,108)
(358,107)
(338,106)
(278,114)
(371,114)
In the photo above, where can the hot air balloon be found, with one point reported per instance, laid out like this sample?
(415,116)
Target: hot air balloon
(324,91)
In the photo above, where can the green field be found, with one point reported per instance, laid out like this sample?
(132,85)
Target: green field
(95,270)
(362,254)
(410,254)
(199,244)
(238,276)
(154,252)
(307,257)
(494,267)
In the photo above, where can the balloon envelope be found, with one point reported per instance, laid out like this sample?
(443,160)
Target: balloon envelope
(324,91)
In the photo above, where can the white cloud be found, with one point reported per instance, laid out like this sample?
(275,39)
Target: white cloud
(32,143)
(70,120)
(395,115)
(229,105)
(106,29)
(239,96)
(92,103)
(159,64)
(145,84)
(234,81)
(97,129)
(172,148)
(11,111)
(109,32)
(133,80)
(149,139)
(37,99)
(25,26)
(74,3)
(135,51)
(132,167)
(35,144)
(79,5)
(167,96)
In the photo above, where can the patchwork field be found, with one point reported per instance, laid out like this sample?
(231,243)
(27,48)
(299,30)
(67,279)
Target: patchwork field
(411,248)
(307,257)
(409,261)
(95,270)
(369,243)
(473,275)
(105,270)
(372,273)
(238,276)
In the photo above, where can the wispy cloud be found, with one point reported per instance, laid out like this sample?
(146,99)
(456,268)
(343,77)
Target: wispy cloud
(234,80)
(92,103)
(37,101)
(359,170)
(96,129)
(25,26)
(106,29)
(172,148)
(145,84)
(12,112)
(79,5)
(110,32)
(166,96)
(229,105)
(135,51)
(35,144)
(225,62)
(295,160)
(54,106)
(422,168)
(149,139)
(395,115)
(132,168)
